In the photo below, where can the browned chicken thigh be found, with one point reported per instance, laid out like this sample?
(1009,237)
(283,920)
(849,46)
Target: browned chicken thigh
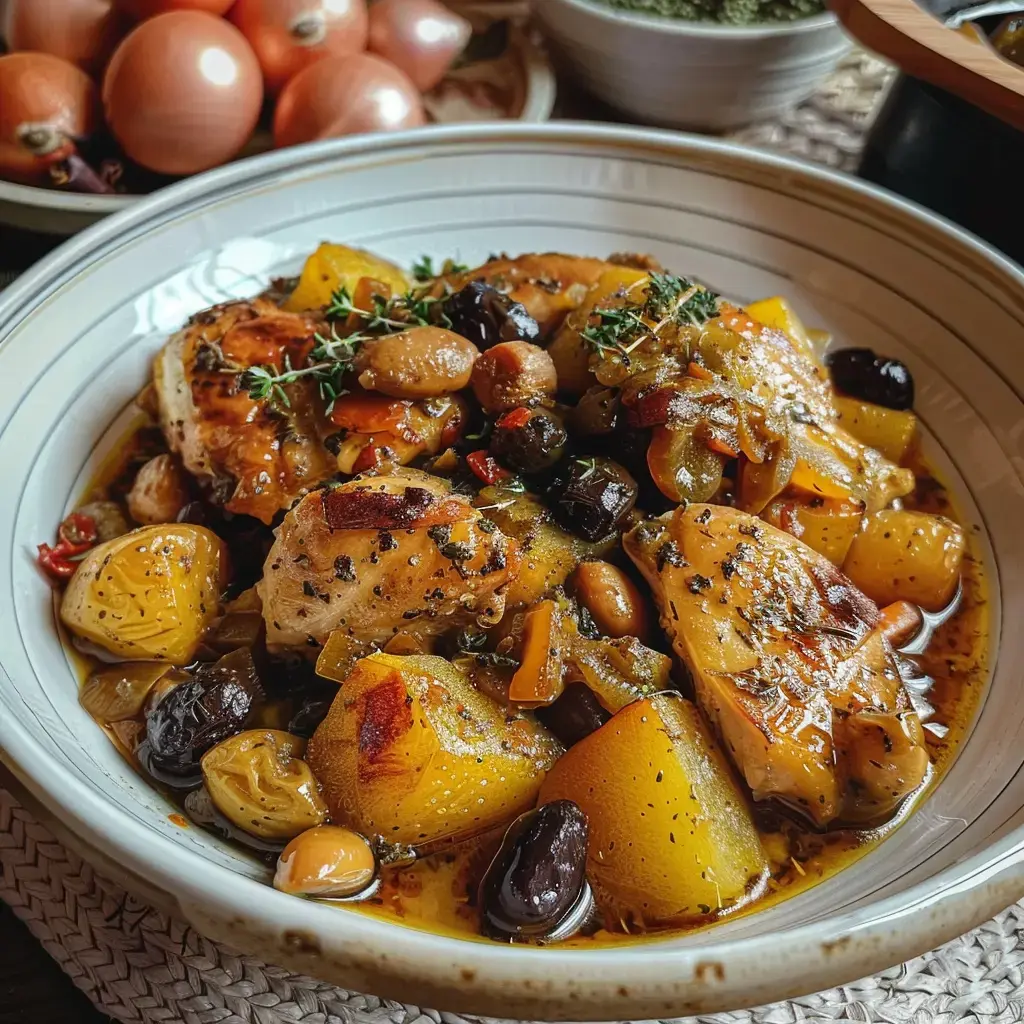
(787,661)
(256,457)
(379,555)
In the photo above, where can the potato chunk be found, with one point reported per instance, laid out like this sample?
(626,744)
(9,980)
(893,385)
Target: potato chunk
(890,431)
(338,266)
(671,836)
(149,595)
(411,751)
(910,556)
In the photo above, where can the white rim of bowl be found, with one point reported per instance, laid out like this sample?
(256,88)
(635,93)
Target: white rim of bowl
(680,27)
(196,882)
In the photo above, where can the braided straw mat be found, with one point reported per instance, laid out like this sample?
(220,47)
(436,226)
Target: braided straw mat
(137,964)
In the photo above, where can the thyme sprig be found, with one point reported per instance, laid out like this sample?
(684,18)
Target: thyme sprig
(423,269)
(333,356)
(618,330)
(329,361)
(397,313)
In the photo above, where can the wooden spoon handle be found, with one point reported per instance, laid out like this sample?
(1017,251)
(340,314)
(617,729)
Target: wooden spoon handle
(923,47)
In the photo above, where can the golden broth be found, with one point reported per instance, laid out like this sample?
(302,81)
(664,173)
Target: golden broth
(438,893)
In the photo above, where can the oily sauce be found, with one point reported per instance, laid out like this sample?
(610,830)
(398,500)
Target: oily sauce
(438,893)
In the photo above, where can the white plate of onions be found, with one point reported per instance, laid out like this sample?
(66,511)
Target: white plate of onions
(103,100)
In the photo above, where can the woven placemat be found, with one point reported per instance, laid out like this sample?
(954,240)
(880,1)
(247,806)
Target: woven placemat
(136,964)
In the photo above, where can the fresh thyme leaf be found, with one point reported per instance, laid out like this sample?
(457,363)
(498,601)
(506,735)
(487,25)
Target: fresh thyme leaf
(331,358)
(423,269)
(670,299)
(397,313)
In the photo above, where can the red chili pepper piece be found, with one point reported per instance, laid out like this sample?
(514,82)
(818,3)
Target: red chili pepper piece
(75,536)
(54,563)
(78,529)
(514,419)
(486,468)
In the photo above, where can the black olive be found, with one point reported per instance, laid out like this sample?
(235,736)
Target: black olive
(488,317)
(863,374)
(198,715)
(592,496)
(538,878)
(530,447)
(574,716)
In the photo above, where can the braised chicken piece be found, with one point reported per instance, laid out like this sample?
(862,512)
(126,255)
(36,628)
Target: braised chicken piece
(732,387)
(549,285)
(787,662)
(382,554)
(254,456)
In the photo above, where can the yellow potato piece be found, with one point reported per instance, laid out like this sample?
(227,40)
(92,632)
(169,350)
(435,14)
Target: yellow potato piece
(828,525)
(671,836)
(908,556)
(148,595)
(890,431)
(778,313)
(333,266)
(411,751)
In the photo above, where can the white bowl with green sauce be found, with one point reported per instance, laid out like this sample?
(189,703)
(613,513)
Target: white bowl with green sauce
(680,73)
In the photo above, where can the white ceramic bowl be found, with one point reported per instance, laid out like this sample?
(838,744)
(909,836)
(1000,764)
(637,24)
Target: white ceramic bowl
(683,74)
(77,337)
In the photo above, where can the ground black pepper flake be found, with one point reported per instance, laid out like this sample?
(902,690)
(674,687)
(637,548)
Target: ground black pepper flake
(669,554)
(344,569)
(697,583)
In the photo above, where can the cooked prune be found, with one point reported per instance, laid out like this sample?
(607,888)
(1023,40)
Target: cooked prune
(485,316)
(591,497)
(195,716)
(862,373)
(574,716)
(529,440)
(536,887)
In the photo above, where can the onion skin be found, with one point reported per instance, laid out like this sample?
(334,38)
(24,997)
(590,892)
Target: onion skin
(345,96)
(289,35)
(422,37)
(142,9)
(45,104)
(83,32)
(183,92)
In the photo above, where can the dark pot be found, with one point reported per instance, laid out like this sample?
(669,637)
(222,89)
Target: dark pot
(945,154)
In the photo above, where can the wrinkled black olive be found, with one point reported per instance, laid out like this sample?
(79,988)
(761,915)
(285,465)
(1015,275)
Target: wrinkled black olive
(592,496)
(533,447)
(198,715)
(487,317)
(574,716)
(538,877)
(863,374)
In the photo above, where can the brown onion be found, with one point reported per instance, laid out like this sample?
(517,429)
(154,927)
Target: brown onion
(183,92)
(422,37)
(45,104)
(83,32)
(289,35)
(140,9)
(344,96)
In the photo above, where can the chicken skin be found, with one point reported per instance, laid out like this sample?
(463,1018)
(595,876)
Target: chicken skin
(787,662)
(379,555)
(254,456)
